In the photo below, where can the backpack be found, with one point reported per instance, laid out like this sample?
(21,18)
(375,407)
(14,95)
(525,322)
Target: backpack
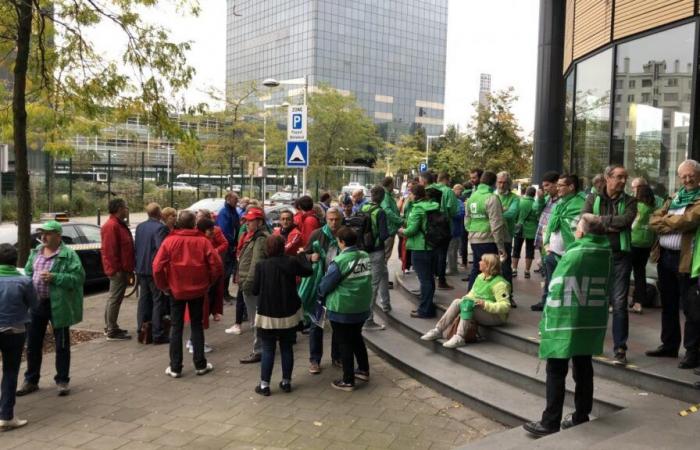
(361,223)
(437,229)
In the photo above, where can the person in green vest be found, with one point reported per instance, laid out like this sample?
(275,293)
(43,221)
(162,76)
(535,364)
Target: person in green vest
(448,207)
(641,181)
(393,218)
(486,304)
(511,205)
(422,254)
(525,229)
(573,324)
(545,200)
(617,211)
(346,291)
(405,204)
(643,238)
(483,219)
(380,271)
(58,278)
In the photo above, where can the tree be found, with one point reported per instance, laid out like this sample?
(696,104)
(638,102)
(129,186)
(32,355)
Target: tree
(454,153)
(56,65)
(408,153)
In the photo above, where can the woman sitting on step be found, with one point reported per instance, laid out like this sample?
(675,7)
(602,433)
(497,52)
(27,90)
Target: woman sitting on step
(486,304)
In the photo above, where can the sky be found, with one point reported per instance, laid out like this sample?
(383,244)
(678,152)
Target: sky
(498,37)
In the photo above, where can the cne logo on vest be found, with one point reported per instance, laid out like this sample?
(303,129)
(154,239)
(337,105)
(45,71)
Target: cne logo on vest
(362,269)
(589,292)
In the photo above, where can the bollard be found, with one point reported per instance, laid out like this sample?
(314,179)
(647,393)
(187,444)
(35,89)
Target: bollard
(98,217)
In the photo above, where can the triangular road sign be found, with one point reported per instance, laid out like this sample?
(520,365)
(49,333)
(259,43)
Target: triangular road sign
(297,156)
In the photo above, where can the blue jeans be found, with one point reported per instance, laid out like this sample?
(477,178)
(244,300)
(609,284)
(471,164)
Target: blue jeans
(620,287)
(150,306)
(316,345)
(11,346)
(424,264)
(550,262)
(479,250)
(35,344)
(269,338)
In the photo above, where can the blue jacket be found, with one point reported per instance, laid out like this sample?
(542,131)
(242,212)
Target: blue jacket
(229,222)
(458,220)
(148,238)
(17,296)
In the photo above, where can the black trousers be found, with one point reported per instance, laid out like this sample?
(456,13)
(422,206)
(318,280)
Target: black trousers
(352,346)
(177,315)
(673,287)
(640,256)
(41,316)
(556,390)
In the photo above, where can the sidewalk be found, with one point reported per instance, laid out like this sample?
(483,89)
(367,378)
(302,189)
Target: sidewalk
(121,399)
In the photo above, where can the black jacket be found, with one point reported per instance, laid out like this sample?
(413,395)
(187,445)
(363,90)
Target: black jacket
(279,306)
(613,222)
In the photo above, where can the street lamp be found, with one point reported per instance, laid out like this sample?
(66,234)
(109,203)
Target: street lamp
(271,83)
(264,140)
(427,145)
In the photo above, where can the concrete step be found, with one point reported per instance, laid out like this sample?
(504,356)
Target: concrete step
(504,363)
(494,398)
(661,378)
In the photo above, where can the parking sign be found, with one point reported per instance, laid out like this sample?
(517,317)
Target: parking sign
(296,124)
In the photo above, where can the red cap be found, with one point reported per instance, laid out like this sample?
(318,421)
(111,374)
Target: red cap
(254,213)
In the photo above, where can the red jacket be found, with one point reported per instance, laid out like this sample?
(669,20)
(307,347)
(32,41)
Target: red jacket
(294,240)
(307,223)
(218,241)
(117,247)
(186,265)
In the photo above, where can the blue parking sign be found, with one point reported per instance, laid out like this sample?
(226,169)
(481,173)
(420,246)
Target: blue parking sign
(297,121)
(423,167)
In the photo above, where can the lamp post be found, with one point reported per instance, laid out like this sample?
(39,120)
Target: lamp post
(264,141)
(427,146)
(271,82)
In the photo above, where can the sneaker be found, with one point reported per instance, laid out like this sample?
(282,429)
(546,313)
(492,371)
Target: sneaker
(454,342)
(264,391)
(205,370)
(527,275)
(314,368)
(515,274)
(118,335)
(343,386)
(235,329)
(362,375)
(636,308)
(7,425)
(371,325)
(63,389)
(432,335)
(250,359)
(620,357)
(207,348)
(286,387)
(27,388)
(189,345)
(169,372)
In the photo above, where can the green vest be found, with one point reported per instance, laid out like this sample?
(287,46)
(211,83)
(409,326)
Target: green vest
(476,205)
(642,235)
(575,316)
(506,201)
(625,235)
(354,292)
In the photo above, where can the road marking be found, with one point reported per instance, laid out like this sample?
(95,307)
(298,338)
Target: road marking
(690,410)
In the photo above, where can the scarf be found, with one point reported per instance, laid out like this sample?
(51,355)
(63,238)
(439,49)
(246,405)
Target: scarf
(332,242)
(684,198)
(7,270)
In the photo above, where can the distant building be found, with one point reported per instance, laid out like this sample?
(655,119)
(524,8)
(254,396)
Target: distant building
(484,88)
(389,54)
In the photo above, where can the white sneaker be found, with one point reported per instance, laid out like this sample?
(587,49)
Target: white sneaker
(169,372)
(432,335)
(235,329)
(207,348)
(206,370)
(189,345)
(454,342)
(371,325)
(7,425)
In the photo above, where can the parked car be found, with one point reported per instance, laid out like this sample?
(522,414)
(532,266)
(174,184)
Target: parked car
(353,186)
(84,238)
(212,204)
(281,197)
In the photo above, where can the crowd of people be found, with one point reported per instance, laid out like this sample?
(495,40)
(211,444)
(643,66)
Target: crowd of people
(329,264)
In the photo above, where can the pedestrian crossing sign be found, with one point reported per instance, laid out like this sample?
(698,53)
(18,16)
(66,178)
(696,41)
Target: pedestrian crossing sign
(297,153)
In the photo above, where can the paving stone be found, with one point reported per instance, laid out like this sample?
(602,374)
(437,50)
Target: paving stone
(75,438)
(210,442)
(175,438)
(183,424)
(276,438)
(154,419)
(305,442)
(338,434)
(105,443)
(243,433)
(212,428)
(372,438)
(366,424)
(117,428)
(147,433)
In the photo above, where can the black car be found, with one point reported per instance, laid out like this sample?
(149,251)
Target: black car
(84,238)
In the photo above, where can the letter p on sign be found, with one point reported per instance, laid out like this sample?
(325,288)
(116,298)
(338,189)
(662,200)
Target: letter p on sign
(297,121)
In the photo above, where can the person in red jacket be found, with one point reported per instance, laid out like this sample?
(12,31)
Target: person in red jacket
(118,262)
(290,232)
(185,266)
(306,221)
(213,232)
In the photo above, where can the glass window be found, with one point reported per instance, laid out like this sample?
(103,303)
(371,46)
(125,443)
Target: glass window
(92,233)
(591,152)
(568,120)
(651,138)
(631,84)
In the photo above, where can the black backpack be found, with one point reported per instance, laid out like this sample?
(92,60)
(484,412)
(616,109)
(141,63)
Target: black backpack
(437,229)
(361,223)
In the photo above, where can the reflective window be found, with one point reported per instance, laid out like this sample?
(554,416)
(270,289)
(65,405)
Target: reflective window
(591,152)
(568,120)
(650,136)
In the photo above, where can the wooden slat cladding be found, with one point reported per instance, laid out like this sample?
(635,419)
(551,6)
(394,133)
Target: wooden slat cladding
(569,34)
(634,16)
(592,22)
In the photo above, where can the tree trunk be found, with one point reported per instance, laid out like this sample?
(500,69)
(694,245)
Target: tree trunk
(19,112)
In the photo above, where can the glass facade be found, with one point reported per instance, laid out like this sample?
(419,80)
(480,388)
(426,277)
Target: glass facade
(390,55)
(641,118)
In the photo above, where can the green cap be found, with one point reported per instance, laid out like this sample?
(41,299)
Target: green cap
(51,225)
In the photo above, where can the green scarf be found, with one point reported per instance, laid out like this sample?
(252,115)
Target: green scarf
(332,242)
(684,198)
(7,270)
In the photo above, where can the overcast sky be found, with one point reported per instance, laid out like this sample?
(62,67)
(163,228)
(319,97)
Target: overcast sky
(497,37)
